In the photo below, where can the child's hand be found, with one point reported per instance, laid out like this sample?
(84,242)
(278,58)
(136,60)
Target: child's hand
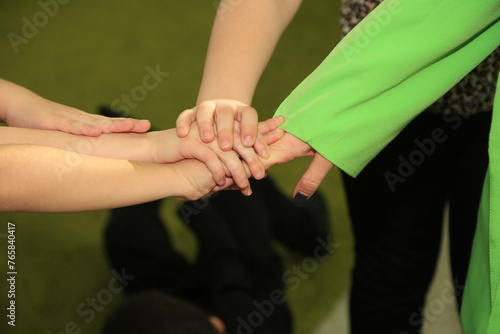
(228,116)
(170,148)
(195,180)
(26,109)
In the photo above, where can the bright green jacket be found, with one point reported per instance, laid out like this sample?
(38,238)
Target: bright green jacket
(393,65)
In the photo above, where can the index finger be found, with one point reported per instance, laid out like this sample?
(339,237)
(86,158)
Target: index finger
(183,122)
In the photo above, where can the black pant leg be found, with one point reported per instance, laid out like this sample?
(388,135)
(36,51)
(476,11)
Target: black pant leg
(397,229)
(245,280)
(470,161)
(298,228)
(136,241)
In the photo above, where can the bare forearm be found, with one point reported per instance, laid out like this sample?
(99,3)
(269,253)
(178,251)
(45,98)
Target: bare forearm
(45,179)
(116,145)
(9,97)
(243,39)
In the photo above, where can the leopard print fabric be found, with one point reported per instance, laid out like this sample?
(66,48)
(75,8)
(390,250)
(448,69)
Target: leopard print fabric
(473,94)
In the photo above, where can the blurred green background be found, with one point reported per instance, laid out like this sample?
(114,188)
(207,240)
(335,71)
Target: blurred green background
(88,53)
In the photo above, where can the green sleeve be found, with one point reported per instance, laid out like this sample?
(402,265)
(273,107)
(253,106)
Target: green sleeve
(394,64)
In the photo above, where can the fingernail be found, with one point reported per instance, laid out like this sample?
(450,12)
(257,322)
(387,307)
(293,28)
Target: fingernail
(281,117)
(248,140)
(206,135)
(224,143)
(265,154)
(300,199)
(249,192)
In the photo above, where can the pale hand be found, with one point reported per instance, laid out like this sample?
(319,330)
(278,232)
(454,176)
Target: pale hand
(221,118)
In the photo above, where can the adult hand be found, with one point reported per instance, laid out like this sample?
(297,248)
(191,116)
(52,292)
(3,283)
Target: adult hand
(222,118)
(290,147)
(311,179)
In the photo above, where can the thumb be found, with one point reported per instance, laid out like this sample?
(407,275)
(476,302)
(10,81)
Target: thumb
(311,179)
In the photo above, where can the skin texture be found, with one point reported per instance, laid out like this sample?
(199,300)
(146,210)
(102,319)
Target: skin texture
(20,107)
(55,158)
(232,71)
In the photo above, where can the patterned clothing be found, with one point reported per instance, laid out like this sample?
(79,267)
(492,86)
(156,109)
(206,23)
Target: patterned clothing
(473,94)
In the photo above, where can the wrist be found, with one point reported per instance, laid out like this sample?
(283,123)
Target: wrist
(16,99)
(192,179)
(8,99)
(163,146)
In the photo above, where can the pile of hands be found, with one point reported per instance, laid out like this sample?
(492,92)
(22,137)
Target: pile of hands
(224,135)
(237,146)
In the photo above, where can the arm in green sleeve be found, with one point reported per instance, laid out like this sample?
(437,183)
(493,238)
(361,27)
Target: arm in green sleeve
(394,64)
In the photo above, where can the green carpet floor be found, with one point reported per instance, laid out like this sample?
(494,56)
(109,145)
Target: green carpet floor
(87,53)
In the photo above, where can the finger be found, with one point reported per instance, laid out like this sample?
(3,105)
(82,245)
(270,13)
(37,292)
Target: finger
(78,127)
(228,185)
(273,136)
(125,125)
(183,122)
(261,147)
(141,125)
(255,165)
(211,160)
(205,118)
(236,168)
(110,125)
(311,179)
(224,118)
(249,125)
(247,191)
(271,124)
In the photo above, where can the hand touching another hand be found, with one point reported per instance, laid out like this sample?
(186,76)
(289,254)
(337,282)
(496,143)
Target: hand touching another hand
(289,147)
(225,118)
(25,109)
(222,118)
(239,163)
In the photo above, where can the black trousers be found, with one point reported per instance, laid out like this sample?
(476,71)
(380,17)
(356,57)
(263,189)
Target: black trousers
(237,274)
(396,206)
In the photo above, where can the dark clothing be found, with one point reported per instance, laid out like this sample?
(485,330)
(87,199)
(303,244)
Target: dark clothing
(237,275)
(397,205)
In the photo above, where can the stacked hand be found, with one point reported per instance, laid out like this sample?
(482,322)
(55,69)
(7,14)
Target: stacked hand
(235,126)
(226,166)
(244,147)
(185,162)
(26,109)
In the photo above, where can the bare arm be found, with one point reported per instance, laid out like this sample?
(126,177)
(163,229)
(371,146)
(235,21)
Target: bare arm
(130,146)
(243,39)
(46,179)
(158,147)
(22,108)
